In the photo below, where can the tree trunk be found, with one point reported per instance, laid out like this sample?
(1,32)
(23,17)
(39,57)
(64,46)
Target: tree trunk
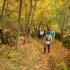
(33,13)
(1,15)
(65,21)
(19,23)
(28,21)
(3,7)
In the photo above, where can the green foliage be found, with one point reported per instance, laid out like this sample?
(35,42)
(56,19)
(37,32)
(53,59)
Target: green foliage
(63,65)
(68,68)
(58,36)
(14,59)
(66,42)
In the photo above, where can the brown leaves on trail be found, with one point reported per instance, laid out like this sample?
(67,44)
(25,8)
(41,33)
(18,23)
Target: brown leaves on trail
(47,61)
(33,58)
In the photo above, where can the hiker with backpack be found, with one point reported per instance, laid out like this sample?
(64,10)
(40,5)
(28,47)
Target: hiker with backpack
(47,42)
(41,33)
(52,33)
(1,35)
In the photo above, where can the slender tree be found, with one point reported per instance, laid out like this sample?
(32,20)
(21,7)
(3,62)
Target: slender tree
(19,22)
(3,7)
(63,17)
(1,15)
(28,20)
(33,13)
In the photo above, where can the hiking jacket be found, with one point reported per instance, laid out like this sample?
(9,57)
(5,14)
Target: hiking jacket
(48,39)
(52,33)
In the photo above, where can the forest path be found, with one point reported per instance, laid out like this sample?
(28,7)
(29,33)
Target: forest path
(48,61)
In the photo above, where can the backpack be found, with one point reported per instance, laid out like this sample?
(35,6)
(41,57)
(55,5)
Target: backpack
(47,40)
(41,32)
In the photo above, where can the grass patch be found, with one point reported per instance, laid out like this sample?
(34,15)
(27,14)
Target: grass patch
(16,59)
(63,65)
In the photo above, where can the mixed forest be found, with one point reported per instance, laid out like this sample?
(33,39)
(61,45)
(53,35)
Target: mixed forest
(20,46)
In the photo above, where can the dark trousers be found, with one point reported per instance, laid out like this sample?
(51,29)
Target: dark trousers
(47,46)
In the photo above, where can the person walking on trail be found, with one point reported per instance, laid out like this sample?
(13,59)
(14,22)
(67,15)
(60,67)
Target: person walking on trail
(52,33)
(45,31)
(41,33)
(47,42)
(1,35)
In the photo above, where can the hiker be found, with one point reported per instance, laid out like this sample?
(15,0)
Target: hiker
(37,31)
(41,33)
(47,42)
(45,31)
(52,33)
(1,35)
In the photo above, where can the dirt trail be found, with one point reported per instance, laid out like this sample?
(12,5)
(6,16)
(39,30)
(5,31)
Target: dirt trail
(48,61)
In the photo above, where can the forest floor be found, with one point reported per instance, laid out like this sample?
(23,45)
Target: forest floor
(30,56)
